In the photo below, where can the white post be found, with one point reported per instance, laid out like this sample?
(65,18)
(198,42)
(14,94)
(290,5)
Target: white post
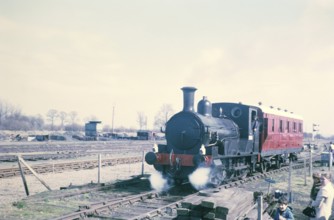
(99,170)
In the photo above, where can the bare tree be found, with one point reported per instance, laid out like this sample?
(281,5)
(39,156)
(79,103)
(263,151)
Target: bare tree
(4,110)
(51,115)
(15,112)
(161,118)
(11,118)
(73,117)
(142,120)
(37,122)
(62,117)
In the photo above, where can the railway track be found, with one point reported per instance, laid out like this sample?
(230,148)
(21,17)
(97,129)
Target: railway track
(34,151)
(76,165)
(153,205)
(142,206)
(33,147)
(44,156)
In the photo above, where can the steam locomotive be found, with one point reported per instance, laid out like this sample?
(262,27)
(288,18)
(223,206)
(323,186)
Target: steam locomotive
(232,139)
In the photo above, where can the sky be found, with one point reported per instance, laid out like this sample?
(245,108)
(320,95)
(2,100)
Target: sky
(134,56)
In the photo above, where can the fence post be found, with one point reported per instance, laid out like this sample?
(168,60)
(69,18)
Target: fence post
(142,163)
(34,173)
(289,189)
(305,172)
(99,170)
(330,155)
(259,208)
(23,177)
(53,167)
(269,184)
(311,166)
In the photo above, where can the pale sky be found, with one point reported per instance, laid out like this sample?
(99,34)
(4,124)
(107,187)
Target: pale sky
(89,56)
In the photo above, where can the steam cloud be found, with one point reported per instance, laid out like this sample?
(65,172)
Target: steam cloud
(200,178)
(158,182)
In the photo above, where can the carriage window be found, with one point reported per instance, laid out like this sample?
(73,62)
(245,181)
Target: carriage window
(280,126)
(288,126)
(253,115)
(300,127)
(272,124)
(294,127)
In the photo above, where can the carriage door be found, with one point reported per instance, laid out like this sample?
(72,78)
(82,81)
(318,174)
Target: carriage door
(254,128)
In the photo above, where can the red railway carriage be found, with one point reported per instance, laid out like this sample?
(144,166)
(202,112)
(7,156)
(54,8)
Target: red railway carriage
(232,139)
(282,132)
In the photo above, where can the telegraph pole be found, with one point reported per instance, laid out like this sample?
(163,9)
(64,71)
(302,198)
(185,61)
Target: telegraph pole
(112,123)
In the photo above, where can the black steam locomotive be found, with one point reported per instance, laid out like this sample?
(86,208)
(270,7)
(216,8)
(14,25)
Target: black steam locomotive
(230,138)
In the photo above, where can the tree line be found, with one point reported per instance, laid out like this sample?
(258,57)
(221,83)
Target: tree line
(12,118)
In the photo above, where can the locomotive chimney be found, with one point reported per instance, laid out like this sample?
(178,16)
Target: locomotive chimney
(188,98)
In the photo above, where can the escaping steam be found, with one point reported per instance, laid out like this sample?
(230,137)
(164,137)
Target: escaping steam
(200,178)
(158,182)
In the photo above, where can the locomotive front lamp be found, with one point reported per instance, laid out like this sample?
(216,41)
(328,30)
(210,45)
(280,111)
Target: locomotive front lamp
(155,148)
(202,150)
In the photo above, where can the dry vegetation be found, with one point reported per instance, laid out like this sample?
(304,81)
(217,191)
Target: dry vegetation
(12,191)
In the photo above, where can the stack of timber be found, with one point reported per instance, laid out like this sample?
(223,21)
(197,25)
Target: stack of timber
(226,204)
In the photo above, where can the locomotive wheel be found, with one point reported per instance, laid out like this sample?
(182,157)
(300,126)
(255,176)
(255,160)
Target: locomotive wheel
(217,178)
(293,157)
(178,182)
(215,182)
(263,167)
(243,174)
(278,164)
